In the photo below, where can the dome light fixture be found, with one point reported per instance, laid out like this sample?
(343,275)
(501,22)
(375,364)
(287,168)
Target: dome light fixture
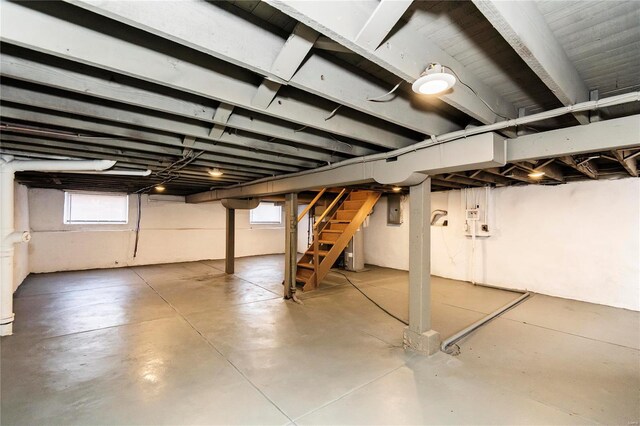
(216,172)
(160,188)
(433,80)
(536,174)
(396,189)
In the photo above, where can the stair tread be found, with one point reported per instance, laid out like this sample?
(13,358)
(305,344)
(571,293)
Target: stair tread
(320,252)
(326,242)
(340,221)
(305,265)
(333,231)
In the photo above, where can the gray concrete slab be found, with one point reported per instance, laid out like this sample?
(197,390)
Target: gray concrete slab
(586,377)
(598,322)
(191,345)
(426,392)
(153,372)
(59,282)
(48,315)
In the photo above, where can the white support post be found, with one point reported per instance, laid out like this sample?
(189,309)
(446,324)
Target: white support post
(418,335)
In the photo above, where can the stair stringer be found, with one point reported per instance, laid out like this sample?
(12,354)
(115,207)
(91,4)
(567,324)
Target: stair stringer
(343,241)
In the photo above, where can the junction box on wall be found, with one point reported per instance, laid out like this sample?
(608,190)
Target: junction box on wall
(476,203)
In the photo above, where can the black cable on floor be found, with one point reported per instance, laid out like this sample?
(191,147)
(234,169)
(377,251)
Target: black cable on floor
(371,300)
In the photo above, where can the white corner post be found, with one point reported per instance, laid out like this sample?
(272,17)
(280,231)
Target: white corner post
(419,336)
(230,243)
(8,234)
(290,245)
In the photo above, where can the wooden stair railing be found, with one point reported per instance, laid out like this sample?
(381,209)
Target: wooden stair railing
(311,204)
(331,237)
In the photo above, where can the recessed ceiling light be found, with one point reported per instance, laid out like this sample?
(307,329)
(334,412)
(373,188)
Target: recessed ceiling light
(216,172)
(433,80)
(536,174)
(396,189)
(160,188)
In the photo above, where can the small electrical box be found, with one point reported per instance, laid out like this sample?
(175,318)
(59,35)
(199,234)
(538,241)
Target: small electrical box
(473,214)
(394,209)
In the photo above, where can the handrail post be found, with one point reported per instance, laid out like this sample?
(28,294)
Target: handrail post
(313,202)
(328,209)
(316,257)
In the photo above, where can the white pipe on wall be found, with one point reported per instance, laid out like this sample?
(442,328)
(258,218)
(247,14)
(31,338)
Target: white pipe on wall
(8,236)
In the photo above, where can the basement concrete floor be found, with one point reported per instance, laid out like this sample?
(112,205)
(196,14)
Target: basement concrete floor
(186,344)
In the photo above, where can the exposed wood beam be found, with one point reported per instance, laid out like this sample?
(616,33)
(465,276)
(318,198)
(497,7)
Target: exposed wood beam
(489,178)
(548,167)
(522,25)
(588,169)
(381,22)
(629,164)
(325,43)
(221,118)
(295,49)
(618,133)
(169,66)
(286,64)
(155,140)
(239,143)
(265,94)
(485,151)
(252,45)
(520,175)
(552,170)
(44,120)
(406,52)
(439,181)
(463,180)
(44,144)
(512,173)
(188,142)
(594,115)
(103,85)
(475,152)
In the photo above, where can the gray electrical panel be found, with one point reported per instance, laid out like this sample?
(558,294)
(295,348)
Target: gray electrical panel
(394,209)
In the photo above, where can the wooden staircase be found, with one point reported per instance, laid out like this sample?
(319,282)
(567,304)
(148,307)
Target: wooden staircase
(331,236)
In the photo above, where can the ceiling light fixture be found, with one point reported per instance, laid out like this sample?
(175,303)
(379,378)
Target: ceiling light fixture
(433,80)
(536,174)
(396,189)
(160,188)
(216,172)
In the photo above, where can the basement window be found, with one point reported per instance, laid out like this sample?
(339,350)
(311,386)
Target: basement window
(84,208)
(266,213)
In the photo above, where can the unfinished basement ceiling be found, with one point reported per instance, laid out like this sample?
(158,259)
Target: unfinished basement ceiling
(245,87)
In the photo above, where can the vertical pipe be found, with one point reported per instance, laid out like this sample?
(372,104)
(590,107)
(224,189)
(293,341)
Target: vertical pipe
(290,245)
(6,248)
(420,257)
(8,236)
(229,254)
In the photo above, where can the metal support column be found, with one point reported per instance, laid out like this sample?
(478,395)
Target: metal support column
(229,255)
(419,336)
(290,245)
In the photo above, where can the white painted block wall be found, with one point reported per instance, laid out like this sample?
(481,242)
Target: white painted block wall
(579,241)
(170,232)
(21,220)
